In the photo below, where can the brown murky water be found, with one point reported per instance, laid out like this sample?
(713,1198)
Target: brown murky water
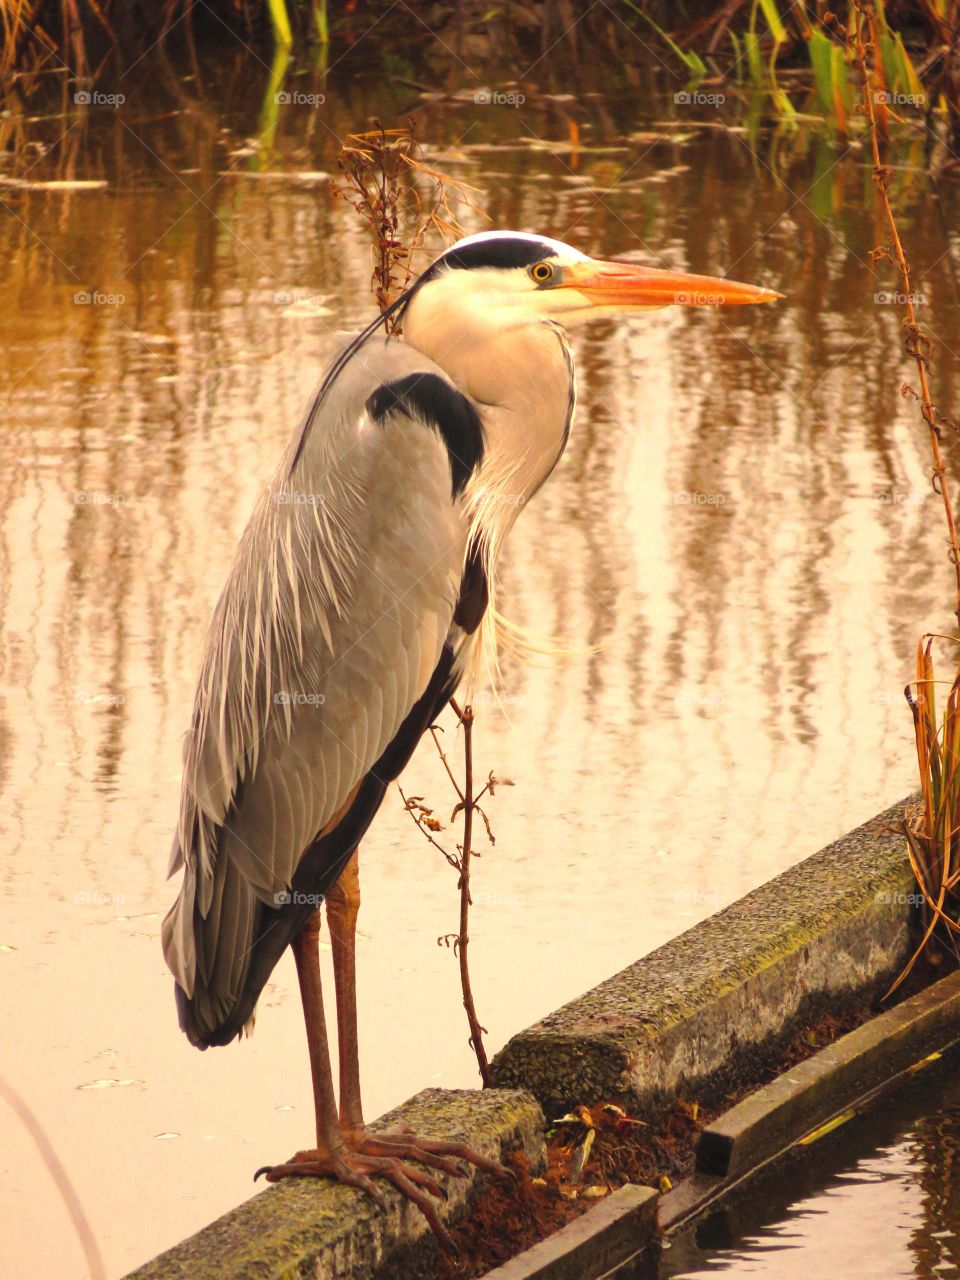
(880,1203)
(738,550)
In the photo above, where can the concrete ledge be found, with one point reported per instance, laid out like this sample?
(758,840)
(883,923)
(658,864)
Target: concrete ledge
(330,1232)
(589,1246)
(809,1094)
(845,1079)
(700,1016)
(692,1015)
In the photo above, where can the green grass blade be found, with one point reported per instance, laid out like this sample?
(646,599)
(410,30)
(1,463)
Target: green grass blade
(281,22)
(320,21)
(820,47)
(771,15)
(754,60)
(737,57)
(690,59)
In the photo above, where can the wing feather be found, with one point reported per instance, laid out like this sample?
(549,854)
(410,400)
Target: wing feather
(329,629)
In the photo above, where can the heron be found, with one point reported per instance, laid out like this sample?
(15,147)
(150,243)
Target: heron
(361,594)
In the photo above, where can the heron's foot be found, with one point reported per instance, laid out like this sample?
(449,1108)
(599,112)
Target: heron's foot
(357,1169)
(402,1143)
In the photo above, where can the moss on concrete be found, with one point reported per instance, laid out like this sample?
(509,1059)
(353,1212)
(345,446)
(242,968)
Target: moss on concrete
(318,1229)
(691,1017)
(837,923)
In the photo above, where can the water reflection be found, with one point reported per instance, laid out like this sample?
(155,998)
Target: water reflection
(878,1202)
(738,552)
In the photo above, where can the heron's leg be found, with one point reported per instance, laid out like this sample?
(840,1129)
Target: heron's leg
(343,906)
(332,1157)
(306,954)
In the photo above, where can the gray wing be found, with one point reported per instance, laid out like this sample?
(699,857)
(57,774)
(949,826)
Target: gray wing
(329,628)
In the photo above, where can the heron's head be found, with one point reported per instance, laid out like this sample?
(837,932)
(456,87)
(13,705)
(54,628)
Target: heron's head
(509,279)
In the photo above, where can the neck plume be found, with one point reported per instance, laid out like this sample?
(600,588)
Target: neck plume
(521,379)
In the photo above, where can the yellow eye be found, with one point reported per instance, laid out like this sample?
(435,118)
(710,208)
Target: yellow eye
(541,272)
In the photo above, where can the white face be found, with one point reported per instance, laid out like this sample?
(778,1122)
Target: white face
(567,286)
(502,297)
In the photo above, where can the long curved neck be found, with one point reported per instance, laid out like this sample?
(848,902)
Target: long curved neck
(521,377)
(520,374)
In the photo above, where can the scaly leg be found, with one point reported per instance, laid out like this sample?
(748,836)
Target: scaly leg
(332,1156)
(343,906)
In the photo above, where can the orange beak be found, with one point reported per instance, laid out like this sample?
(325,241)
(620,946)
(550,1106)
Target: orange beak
(621,284)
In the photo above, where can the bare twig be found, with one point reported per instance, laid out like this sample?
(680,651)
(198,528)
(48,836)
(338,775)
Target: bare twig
(78,1218)
(931,834)
(467,804)
(423,817)
(476,1031)
(434,730)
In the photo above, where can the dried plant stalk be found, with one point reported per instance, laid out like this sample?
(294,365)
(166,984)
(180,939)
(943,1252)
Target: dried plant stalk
(931,832)
(381,169)
(468,804)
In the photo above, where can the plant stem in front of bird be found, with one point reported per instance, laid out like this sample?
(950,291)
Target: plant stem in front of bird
(382,168)
(469,805)
(932,831)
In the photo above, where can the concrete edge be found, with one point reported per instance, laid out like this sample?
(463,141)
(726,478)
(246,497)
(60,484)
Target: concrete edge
(692,1015)
(814,1091)
(331,1232)
(686,1018)
(593,1243)
(849,1075)
(867,1062)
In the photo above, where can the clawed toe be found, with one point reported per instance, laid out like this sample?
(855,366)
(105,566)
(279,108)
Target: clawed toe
(353,1168)
(437,1153)
(385,1155)
(404,1147)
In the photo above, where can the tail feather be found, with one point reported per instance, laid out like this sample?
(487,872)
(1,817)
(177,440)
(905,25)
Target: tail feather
(210,955)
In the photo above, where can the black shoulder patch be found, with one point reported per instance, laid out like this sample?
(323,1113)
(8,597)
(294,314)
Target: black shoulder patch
(432,400)
(474,592)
